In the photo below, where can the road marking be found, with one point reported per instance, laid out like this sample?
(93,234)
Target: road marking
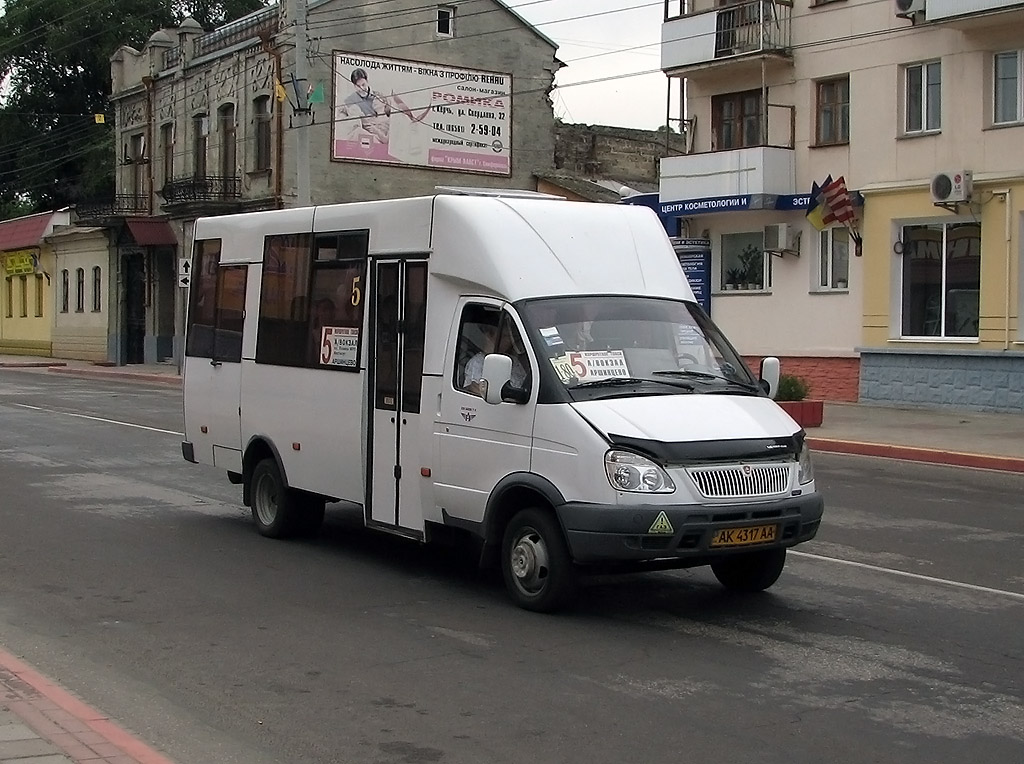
(917,576)
(100,419)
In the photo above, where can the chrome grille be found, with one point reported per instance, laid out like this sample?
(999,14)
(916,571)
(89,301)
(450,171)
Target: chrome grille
(741,480)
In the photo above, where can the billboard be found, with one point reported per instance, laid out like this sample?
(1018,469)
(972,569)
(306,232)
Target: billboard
(421,115)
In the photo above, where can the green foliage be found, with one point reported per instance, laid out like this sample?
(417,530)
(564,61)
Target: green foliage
(55,59)
(792,388)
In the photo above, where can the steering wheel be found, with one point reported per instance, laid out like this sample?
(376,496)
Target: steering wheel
(681,357)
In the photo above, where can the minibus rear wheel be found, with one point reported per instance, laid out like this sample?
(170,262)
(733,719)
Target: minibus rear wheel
(276,510)
(535,562)
(751,571)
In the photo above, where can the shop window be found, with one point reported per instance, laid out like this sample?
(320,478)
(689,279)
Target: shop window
(833,259)
(833,111)
(941,275)
(80,290)
(736,120)
(97,289)
(923,97)
(64,291)
(40,295)
(744,265)
(1008,77)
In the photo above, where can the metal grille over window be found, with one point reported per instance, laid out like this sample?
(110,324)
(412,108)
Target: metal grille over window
(735,481)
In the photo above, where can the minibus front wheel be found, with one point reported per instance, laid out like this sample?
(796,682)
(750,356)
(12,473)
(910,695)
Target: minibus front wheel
(535,561)
(750,571)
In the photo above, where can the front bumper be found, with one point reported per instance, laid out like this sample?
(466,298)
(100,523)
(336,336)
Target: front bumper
(615,533)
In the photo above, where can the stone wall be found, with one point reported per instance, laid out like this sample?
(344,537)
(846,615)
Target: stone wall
(625,154)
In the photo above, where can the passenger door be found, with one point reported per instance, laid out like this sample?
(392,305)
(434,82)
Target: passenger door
(399,321)
(479,443)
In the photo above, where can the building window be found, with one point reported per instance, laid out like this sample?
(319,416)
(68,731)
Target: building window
(24,295)
(833,111)
(39,295)
(97,289)
(744,265)
(262,108)
(445,21)
(167,149)
(10,296)
(226,118)
(80,290)
(923,97)
(834,259)
(736,120)
(64,289)
(200,134)
(941,280)
(1007,79)
(136,159)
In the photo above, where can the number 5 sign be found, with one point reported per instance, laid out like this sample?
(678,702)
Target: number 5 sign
(339,346)
(598,364)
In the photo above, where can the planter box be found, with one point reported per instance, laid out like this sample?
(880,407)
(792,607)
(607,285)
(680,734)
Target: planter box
(806,413)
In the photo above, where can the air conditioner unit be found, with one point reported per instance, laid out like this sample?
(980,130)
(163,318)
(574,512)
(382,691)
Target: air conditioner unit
(952,187)
(781,237)
(907,9)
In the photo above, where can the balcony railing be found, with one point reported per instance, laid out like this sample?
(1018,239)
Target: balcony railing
(121,205)
(757,26)
(208,188)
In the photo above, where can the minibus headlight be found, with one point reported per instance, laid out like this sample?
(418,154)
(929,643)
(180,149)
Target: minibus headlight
(636,474)
(805,471)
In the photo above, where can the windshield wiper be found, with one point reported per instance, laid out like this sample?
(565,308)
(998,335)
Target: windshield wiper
(618,381)
(706,375)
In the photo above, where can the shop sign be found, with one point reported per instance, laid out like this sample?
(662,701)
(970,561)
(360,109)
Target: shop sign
(20,262)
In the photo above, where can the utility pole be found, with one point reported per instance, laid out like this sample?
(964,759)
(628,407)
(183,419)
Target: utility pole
(301,111)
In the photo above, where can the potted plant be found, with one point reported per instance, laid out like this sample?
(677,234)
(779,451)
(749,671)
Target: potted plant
(733,276)
(792,396)
(752,267)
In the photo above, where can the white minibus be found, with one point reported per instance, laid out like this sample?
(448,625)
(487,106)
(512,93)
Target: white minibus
(531,372)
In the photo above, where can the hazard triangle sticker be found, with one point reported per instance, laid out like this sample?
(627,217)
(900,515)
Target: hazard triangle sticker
(661,525)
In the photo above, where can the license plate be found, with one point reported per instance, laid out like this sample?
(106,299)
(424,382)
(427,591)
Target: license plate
(755,534)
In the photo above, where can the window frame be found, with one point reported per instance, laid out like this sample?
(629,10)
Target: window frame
(449,21)
(1018,90)
(226,123)
(743,286)
(65,291)
(838,106)
(79,290)
(738,122)
(922,110)
(97,289)
(200,144)
(40,295)
(263,111)
(167,149)
(23,289)
(827,281)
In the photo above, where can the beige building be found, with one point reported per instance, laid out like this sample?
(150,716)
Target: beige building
(917,104)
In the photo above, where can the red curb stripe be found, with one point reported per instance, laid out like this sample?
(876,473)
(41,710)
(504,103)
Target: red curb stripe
(916,454)
(95,720)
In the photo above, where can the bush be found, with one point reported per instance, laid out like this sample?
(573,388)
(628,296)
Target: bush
(792,388)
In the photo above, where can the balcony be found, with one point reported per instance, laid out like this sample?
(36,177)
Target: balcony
(207,188)
(745,32)
(121,205)
(974,14)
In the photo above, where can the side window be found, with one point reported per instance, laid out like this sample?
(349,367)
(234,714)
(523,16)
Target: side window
(229,313)
(202,299)
(337,299)
(284,301)
(485,330)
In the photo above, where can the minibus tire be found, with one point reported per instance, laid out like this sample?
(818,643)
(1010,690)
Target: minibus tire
(535,562)
(276,510)
(751,571)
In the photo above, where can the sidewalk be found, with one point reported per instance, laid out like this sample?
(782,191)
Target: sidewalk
(940,436)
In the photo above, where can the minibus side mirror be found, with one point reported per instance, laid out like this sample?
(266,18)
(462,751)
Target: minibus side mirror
(496,373)
(770,376)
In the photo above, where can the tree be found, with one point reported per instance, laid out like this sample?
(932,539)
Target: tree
(55,60)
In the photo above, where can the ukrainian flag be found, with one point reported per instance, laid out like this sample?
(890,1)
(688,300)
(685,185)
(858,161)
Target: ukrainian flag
(816,208)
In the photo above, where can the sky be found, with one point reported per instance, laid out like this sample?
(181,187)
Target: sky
(598,39)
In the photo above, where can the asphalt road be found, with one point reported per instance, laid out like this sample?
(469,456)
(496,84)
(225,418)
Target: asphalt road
(137,581)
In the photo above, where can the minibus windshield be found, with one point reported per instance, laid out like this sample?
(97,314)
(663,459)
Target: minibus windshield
(609,341)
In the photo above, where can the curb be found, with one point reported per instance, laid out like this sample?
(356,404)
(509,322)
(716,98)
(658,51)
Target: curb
(918,454)
(68,723)
(158,379)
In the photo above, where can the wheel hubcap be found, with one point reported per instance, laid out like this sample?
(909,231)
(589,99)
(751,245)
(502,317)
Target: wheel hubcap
(529,561)
(265,500)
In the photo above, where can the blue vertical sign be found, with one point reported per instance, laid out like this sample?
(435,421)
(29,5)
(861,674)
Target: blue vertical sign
(695,260)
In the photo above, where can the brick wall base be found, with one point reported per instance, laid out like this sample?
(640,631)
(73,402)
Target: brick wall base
(830,379)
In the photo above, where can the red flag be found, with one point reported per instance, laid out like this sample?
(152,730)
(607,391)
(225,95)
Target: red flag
(838,202)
